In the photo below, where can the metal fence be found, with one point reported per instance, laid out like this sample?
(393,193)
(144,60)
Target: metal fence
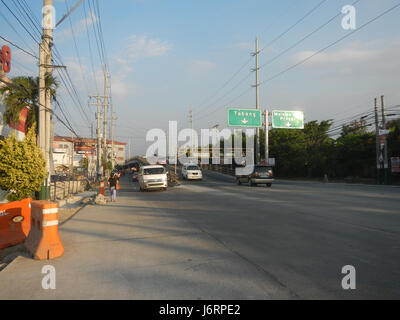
(60,190)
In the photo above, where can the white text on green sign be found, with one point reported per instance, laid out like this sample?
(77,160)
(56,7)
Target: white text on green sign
(244,118)
(287,119)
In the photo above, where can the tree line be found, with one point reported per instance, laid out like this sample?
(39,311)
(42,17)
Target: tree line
(313,153)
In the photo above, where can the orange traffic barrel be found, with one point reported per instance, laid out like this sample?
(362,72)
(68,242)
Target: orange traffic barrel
(102,188)
(43,241)
(15,222)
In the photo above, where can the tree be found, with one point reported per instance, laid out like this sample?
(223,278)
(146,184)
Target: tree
(23,92)
(355,155)
(22,166)
(319,147)
(289,149)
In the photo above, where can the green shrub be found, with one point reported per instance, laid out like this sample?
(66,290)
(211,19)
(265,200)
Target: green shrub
(22,166)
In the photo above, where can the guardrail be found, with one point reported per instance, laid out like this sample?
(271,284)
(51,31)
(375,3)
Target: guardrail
(220,168)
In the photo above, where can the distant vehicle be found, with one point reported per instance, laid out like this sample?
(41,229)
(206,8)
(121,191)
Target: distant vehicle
(192,172)
(162,161)
(260,175)
(135,176)
(153,177)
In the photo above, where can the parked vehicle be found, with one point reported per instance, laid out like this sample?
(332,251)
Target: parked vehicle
(192,172)
(260,175)
(135,176)
(153,177)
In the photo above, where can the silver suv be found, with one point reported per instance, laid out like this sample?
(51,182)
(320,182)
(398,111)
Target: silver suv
(260,175)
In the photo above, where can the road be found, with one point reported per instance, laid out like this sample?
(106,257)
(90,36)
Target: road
(212,239)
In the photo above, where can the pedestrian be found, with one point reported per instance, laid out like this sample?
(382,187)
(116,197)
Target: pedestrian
(113,181)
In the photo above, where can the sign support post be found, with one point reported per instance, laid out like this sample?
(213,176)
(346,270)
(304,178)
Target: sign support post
(266,137)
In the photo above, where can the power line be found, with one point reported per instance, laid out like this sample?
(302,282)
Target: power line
(23,13)
(294,25)
(18,47)
(225,84)
(48,109)
(269,44)
(90,48)
(76,49)
(304,38)
(331,44)
(17,33)
(238,71)
(19,21)
(56,52)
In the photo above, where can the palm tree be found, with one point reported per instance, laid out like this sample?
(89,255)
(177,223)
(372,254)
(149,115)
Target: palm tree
(23,92)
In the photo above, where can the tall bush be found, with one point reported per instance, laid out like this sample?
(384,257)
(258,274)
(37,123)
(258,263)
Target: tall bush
(22,166)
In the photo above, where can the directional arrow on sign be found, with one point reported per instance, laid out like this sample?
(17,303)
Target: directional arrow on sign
(288,124)
(244,121)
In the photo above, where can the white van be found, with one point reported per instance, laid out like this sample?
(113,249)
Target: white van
(153,177)
(192,172)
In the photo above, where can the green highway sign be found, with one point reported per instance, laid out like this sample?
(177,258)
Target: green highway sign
(244,118)
(287,119)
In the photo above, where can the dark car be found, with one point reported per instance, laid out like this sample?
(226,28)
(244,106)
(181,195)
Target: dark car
(260,175)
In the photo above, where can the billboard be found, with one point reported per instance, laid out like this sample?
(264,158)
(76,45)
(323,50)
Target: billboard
(395,161)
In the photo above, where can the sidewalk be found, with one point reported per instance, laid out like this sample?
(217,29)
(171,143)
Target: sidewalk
(137,248)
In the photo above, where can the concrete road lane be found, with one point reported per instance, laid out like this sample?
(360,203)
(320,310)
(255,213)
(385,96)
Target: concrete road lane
(212,239)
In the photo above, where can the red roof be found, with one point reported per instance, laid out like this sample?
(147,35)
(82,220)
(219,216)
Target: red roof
(86,140)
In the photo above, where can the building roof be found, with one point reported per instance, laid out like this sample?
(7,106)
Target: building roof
(85,140)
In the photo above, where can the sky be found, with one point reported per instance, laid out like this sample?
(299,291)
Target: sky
(166,56)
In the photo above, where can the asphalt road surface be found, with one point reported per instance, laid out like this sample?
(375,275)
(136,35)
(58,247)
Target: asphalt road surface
(213,239)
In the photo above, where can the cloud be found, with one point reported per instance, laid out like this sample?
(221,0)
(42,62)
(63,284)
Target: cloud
(78,28)
(138,47)
(357,58)
(122,88)
(200,66)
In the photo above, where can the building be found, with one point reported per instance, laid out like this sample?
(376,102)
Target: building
(72,153)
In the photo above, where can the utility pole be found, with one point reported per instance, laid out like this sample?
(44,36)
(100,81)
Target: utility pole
(45,64)
(257,86)
(112,135)
(105,116)
(377,142)
(385,152)
(191,131)
(71,170)
(98,132)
